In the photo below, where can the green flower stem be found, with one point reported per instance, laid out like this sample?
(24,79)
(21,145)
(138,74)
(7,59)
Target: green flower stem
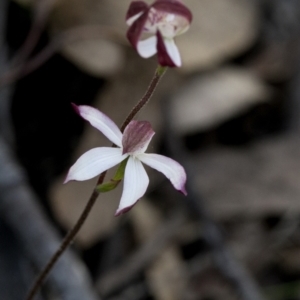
(73,232)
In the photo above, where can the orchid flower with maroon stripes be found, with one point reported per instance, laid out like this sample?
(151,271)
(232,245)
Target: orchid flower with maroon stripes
(159,23)
(131,145)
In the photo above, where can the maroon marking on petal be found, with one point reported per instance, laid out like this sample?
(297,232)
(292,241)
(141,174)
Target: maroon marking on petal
(135,30)
(162,54)
(135,8)
(123,211)
(76,108)
(183,191)
(136,136)
(174,7)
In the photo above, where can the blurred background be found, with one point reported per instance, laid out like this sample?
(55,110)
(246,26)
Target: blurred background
(230,115)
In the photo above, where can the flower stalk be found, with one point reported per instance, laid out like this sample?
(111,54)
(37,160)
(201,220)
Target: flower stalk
(96,192)
(65,243)
(160,71)
(163,20)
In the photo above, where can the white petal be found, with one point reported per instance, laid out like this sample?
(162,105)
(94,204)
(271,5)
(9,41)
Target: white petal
(173,51)
(132,19)
(94,162)
(102,122)
(169,167)
(136,182)
(147,48)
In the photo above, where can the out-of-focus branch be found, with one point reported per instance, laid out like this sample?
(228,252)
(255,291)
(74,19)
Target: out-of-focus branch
(20,210)
(41,11)
(58,42)
(223,257)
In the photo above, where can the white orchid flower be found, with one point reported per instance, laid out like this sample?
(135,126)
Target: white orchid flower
(132,144)
(161,22)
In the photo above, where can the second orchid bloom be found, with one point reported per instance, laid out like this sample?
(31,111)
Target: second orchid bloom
(131,145)
(153,29)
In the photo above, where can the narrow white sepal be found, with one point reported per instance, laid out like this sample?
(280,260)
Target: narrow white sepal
(131,20)
(136,182)
(147,48)
(94,162)
(102,122)
(169,167)
(173,51)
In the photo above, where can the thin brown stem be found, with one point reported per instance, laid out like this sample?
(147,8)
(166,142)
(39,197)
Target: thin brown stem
(73,232)
(147,96)
(66,242)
